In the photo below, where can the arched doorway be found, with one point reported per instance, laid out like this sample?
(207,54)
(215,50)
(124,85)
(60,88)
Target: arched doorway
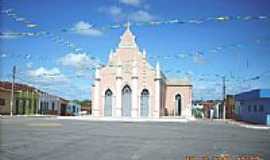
(144,108)
(108,103)
(126,101)
(178,105)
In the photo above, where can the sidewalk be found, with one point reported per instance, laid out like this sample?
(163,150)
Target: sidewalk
(28,116)
(128,119)
(124,119)
(248,125)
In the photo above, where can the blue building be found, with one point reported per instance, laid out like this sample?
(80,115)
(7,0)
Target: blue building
(253,106)
(73,109)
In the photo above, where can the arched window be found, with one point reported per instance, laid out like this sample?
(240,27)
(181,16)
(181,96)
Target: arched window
(178,105)
(126,101)
(144,107)
(108,103)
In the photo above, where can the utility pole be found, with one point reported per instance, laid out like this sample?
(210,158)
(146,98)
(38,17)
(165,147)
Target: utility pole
(12,90)
(224,98)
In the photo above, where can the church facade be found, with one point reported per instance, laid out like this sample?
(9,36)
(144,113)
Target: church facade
(128,86)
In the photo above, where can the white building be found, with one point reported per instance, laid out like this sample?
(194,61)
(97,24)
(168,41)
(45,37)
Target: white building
(128,86)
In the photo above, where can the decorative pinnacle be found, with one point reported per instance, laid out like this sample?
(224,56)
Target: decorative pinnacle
(157,70)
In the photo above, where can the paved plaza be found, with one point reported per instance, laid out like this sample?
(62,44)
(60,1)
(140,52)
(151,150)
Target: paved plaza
(50,138)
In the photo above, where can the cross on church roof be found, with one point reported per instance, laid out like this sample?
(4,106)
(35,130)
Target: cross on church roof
(128,26)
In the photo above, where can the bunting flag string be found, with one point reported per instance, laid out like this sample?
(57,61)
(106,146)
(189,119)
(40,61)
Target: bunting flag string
(18,34)
(219,19)
(263,18)
(205,20)
(197,57)
(180,55)
(40,32)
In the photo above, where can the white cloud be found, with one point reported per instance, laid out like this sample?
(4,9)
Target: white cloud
(131,2)
(29,65)
(141,16)
(84,28)
(44,75)
(114,11)
(3,55)
(44,72)
(198,58)
(79,61)
(182,55)
(146,6)
(118,14)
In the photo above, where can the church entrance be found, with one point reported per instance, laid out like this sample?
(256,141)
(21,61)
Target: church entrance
(126,101)
(178,105)
(108,103)
(144,109)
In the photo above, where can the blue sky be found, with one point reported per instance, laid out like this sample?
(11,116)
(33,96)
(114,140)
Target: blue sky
(55,44)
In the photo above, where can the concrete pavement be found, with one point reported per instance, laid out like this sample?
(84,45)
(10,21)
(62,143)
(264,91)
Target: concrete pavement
(50,138)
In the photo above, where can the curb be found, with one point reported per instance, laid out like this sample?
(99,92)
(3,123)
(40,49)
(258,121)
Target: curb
(122,119)
(250,126)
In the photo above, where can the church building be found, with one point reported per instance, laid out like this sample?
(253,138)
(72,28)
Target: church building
(128,86)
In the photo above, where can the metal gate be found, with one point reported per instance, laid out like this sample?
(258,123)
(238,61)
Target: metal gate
(108,103)
(126,101)
(144,109)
